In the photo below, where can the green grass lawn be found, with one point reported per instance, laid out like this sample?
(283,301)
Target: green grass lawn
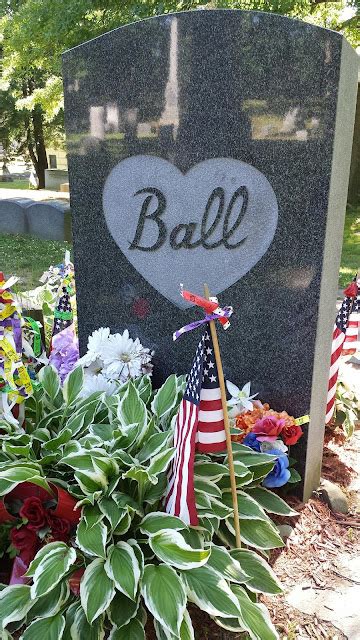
(28,258)
(15,184)
(350,258)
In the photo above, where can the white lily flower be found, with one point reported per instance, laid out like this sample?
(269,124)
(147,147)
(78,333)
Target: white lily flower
(93,383)
(240,400)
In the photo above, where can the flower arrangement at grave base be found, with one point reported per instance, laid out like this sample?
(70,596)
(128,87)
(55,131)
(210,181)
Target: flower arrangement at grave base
(262,429)
(114,558)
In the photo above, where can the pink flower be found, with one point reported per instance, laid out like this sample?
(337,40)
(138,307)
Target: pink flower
(268,429)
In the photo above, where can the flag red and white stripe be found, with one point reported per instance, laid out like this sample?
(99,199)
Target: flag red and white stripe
(345,340)
(199,426)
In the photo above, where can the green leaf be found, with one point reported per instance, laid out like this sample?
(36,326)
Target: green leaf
(260,471)
(164,596)
(111,510)
(123,568)
(210,592)
(294,476)
(50,381)
(230,624)
(92,540)
(160,462)
(158,520)
(257,533)
(50,628)
(170,547)
(154,445)
(252,458)
(226,565)
(165,398)
(249,509)
(210,470)
(51,603)
(73,385)
(10,478)
(207,487)
(51,569)
(52,445)
(92,515)
(96,590)
(41,554)
(122,610)
(15,602)
(134,630)
(271,502)
(132,410)
(186,630)
(254,618)
(262,578)
(82,630)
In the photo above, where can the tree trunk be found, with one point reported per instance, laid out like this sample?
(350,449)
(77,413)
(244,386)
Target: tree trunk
(40,149)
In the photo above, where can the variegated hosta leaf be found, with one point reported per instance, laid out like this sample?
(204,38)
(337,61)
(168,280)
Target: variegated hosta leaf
(186,630)
(164,596)
(160,462)
(165,398)
(51,603)
(170,547)
(210,470)
(155,444)
(96,590)
(262,578)
(73,385)
(158,520)
(15,602)
(132,410)
(51,569)
(92,540)
(50,628)
(50,381)
(123,568)
(249,508)
(82,630)
(122,610)
(226,565)
(254,618)
(271,502)
(111,510)
(12,476)
(210,592)
(134,630)
(139,554)
(207,487)
(257,533)
(230,624)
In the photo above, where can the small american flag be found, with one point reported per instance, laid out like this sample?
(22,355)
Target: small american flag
(345,340)
(199,426)
(63,316)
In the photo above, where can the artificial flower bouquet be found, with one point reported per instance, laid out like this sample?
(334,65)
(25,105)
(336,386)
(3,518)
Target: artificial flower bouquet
(262,429)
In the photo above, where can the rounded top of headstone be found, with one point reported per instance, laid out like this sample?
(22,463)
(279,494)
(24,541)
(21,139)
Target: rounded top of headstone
(253,19)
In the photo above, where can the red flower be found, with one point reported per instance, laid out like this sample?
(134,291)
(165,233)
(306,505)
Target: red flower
(60,528)
(34,512)
(23,538)
(268,429)
(291,434)
(75,580)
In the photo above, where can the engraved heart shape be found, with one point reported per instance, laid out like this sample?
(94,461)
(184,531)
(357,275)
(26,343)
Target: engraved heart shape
(212,224)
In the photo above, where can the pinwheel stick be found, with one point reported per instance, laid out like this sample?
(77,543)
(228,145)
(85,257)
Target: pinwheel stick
(226,424)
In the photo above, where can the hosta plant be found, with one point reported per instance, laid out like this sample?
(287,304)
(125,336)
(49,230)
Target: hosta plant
(126,564)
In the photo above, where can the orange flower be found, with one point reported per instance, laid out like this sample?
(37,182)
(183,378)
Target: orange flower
(245,421)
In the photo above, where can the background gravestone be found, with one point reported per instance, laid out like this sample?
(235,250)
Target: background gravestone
(215,146)
(50,220)
(13,215)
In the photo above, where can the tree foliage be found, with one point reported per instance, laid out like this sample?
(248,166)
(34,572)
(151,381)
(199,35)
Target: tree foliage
(34,33)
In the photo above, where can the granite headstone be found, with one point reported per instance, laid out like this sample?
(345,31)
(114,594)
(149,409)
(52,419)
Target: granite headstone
(214,146)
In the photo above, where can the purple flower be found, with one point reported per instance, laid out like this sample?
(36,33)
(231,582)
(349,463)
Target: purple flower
(280,473)
(65,351)
(251,441)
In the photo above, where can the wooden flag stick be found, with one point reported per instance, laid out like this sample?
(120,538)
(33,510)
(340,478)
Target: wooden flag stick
(226,423)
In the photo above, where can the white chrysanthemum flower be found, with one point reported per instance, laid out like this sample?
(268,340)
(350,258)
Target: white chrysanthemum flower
(92,384)
(240,400)
(277,444)
(96,344)
(125,358)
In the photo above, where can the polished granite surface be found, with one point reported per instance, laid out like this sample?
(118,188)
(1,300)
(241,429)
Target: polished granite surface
(200,148)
